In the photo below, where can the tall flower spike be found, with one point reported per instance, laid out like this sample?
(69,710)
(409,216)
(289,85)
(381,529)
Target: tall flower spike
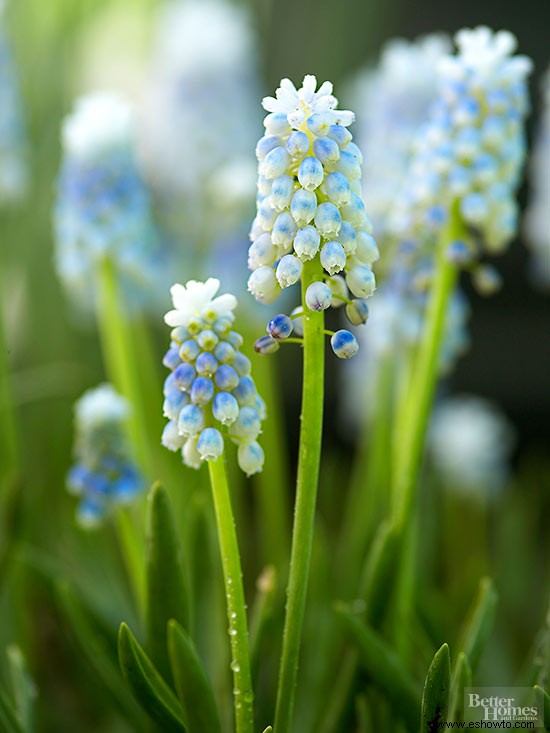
(104,473)
(309,201)
(103,208)
(391,101)
(472,148)
(209,392)
(13,153)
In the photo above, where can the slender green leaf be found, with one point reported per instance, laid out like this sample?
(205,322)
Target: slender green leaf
(8,717)
(462,677)
(96,647)
(384,667)
(543,702)
(379,573)
(23,689)
(149,689)
(192,684)
(437,689)
(167,595)
(479,624)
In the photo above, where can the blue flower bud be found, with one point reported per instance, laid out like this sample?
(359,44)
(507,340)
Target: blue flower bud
(206,364)
(348,238)
(337,188)
(225,408)
(347,165)
(266,144)
(179,334)
(261,252)
(189,350)
(319,123)
(357,311)
(297,144)
(276,123)
(354,212)
(266,345)
(344,344)
(326,150)
(190,421)
(310,173)
(171,437)
(328,220)
(280,327)
(210,444)
(459,253)
(247,426)
(288,271)
(235,339)
(202,391)
(223,325)
(226,378)
(245,391)
(303,206)
(281,192)
(306,242)
(250,457)
(360,280)
(242,365)
(367,250)
(318,296)
(184,376)
(266,215)
(170,383)
(474,208)
(333,257)
(260,408)
(207,339)
(275,163)
(339,290)
(283,230)
(340,134)
(224,353)
(298,322)
(354,149)
(173,402)
(171,359)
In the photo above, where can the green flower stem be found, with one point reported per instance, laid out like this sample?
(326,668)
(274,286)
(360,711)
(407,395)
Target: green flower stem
(8,432)
(243,695)
(306,496)
(424,378)
(121,362)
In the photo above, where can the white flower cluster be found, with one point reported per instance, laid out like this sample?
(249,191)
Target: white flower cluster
(538,212)
(473,146)
(470,442)
(199,117)
(13,162)
(392,101)
(209,388)
(309,202)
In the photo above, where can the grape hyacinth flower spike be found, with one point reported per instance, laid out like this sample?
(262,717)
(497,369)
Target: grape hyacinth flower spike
(104,474)
(209,393)
(311,224)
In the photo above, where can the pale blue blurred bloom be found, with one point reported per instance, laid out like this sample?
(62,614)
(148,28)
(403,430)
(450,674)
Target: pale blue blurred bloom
(104,474)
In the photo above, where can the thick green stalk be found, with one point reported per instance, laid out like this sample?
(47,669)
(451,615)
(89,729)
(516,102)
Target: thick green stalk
(311,430)
(131,547)
(424,379)
(121,360)
(243,696)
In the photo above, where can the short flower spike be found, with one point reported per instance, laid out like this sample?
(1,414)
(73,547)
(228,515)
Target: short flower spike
(209,394)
